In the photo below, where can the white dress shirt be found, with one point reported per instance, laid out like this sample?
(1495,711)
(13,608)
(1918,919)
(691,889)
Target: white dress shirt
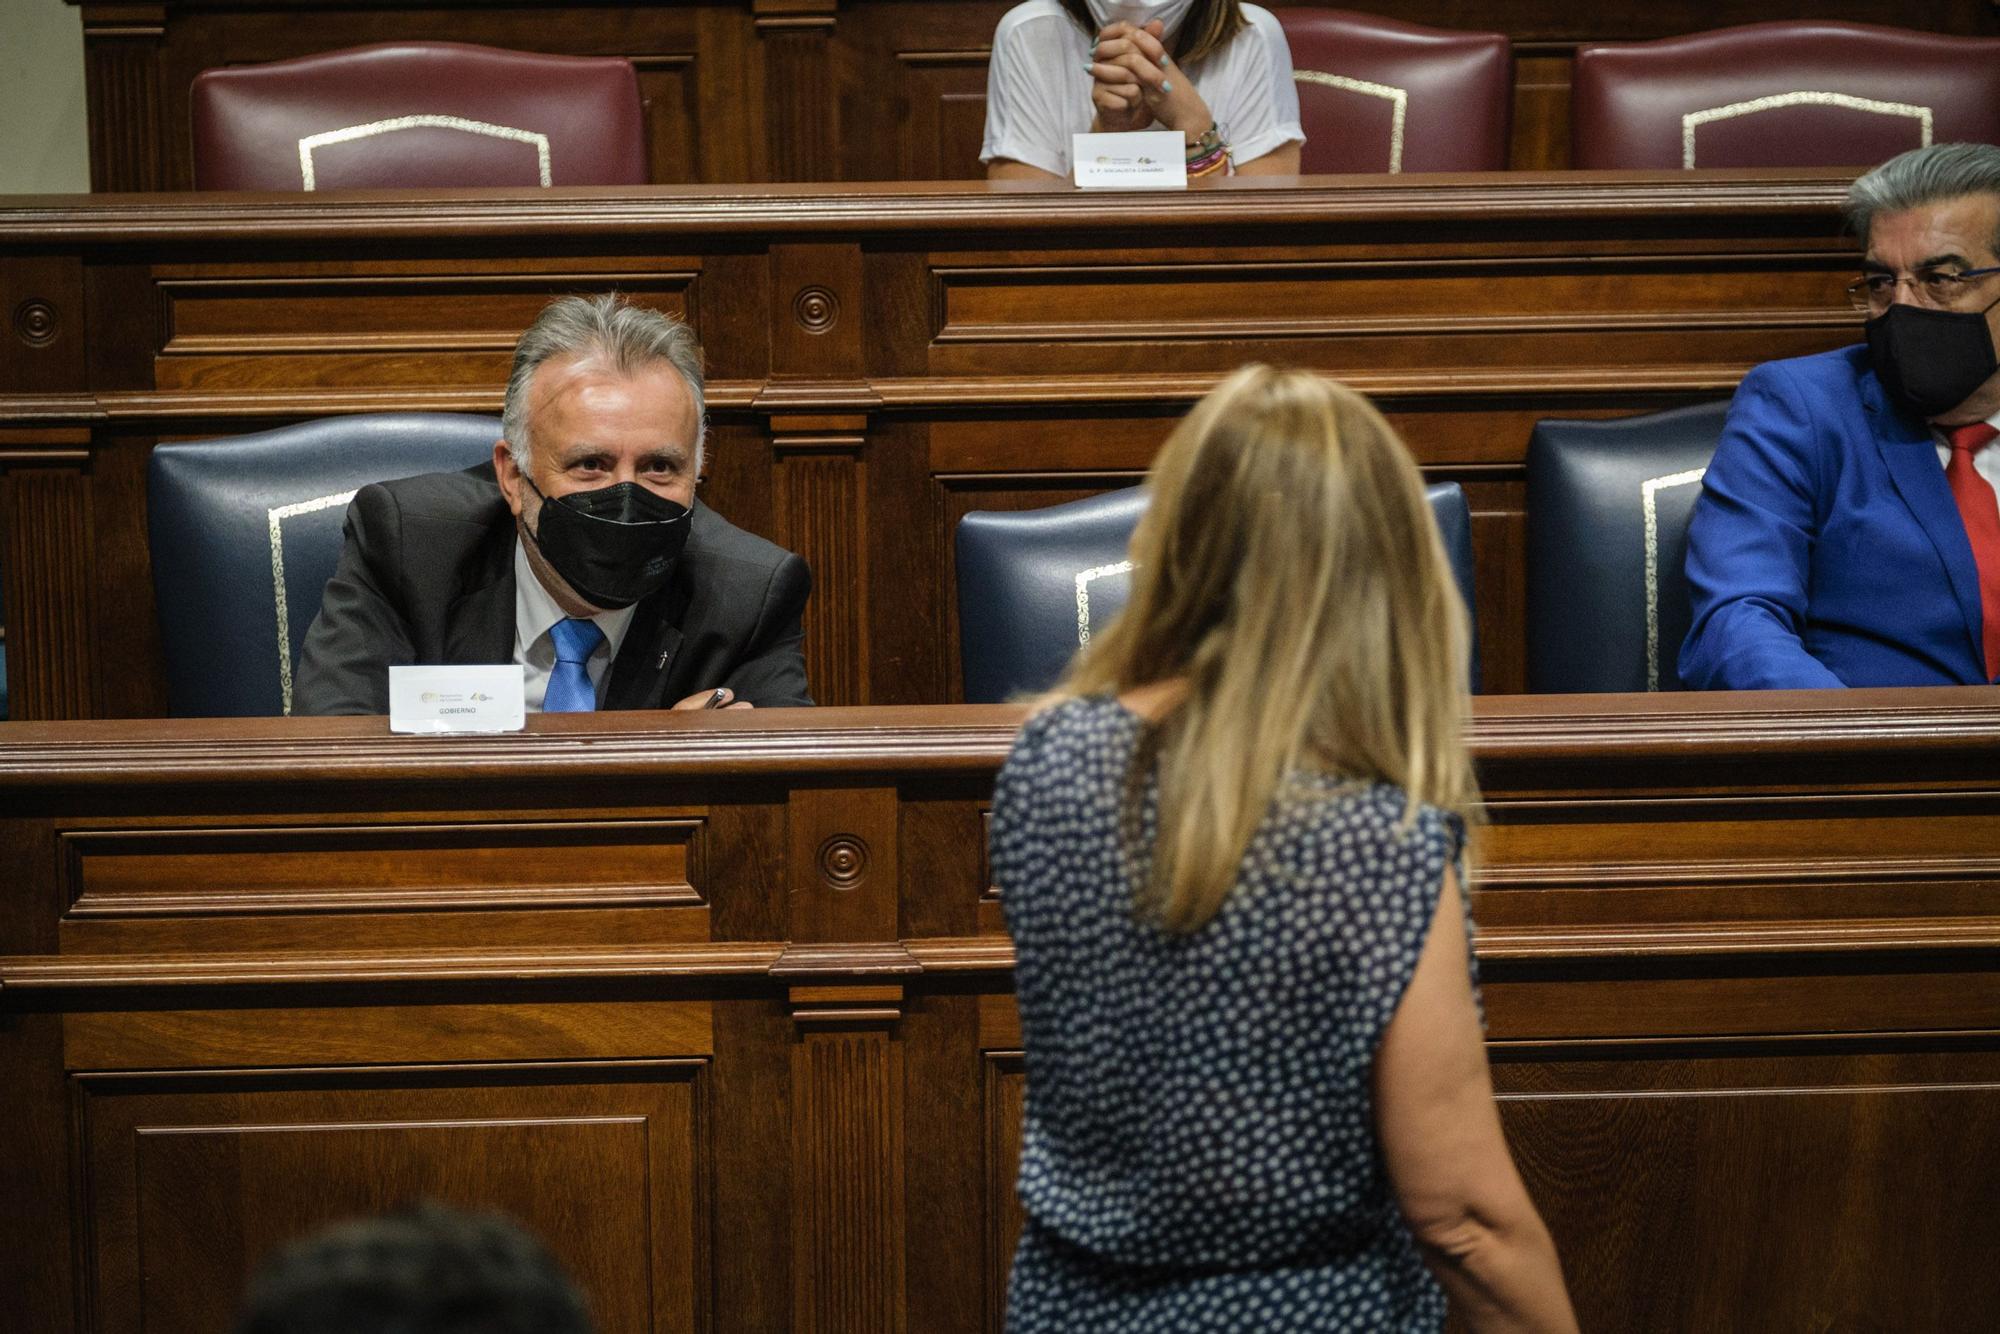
(535,613)
(1985,459)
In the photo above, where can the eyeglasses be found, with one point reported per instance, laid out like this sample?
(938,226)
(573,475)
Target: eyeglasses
(1940,287)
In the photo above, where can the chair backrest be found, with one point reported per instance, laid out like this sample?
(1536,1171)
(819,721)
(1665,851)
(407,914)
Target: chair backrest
(245,532)
(1034,585)
(414,114)
(1379,95)
(1608,508)
(1786,94)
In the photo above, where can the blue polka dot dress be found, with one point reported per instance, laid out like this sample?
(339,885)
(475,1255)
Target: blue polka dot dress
(1199,1150)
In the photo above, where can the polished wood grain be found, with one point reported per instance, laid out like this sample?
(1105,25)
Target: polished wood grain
(1738,956)
(799,90)
(882,359)
(190,1174)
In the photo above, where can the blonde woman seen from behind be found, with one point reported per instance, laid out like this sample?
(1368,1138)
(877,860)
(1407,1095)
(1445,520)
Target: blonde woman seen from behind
(1229,847)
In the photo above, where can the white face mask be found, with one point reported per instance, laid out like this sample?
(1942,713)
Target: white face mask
(1138,13)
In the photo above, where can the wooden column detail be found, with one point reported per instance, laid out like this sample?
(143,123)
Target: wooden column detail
(819,405)
(1005,1097)
(844,967)
(820,486)
(45,523)
(847,1160)
(803,122)
(122,91)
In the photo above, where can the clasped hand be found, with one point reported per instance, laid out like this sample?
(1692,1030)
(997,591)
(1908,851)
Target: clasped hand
(1134,82)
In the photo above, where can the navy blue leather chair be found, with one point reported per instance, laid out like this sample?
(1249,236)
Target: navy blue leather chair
(245,533)
(1033,585)
(1608,508)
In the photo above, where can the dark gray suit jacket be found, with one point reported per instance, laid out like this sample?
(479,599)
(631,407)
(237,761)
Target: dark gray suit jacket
(426,575)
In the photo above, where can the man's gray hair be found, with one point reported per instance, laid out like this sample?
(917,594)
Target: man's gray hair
(1924,176)
(608,331)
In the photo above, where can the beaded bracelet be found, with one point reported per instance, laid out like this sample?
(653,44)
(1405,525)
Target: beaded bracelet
(1209,153)
(1209,164)
(1208,144)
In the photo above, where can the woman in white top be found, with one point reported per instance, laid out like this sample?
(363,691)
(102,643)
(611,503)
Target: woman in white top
(1217,70)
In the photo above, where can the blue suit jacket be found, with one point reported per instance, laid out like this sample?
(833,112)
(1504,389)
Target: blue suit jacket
(1825,548)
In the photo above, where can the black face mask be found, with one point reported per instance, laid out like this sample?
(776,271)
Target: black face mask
(613,545)
(1931,360)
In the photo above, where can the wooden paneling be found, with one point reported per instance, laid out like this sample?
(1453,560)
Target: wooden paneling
(1716,1164)
(135,873)
(1006,1096)
(131,134)
(847,1165)
(375,325)
(1738,957)
(45,518)
(820,490)
(944,113)
(882,360)
(191,1179)
(477,883)
(798,90)
(354,1033)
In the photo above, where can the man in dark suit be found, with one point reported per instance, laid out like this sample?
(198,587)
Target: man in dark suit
(580,551)
(1847,531)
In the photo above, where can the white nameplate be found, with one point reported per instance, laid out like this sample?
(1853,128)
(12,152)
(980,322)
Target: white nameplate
(1137,160)
(457,699)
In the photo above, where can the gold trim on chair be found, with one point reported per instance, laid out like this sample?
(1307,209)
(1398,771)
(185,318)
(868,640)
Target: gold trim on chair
(1647,491)
(1083,582)
(1846,101)
(1398,99)
(276,518)
(419,122)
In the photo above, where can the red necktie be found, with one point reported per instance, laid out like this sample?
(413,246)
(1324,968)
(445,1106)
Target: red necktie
(1981,513)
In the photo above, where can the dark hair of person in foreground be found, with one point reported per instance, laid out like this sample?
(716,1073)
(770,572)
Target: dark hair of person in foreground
(427,1270)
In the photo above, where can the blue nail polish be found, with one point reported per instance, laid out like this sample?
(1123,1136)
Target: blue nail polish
(1165,86)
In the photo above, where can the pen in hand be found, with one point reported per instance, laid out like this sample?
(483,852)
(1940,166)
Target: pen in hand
(716,697)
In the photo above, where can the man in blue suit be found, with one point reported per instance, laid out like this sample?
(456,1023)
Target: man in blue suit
(1847,531)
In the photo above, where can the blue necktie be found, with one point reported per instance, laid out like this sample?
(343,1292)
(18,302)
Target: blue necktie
(569,689)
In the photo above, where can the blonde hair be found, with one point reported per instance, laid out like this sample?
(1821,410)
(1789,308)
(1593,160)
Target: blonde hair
(1289,569)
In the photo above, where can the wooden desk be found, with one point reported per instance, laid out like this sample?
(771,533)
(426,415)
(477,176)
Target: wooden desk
(721,1005)
(882,359)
